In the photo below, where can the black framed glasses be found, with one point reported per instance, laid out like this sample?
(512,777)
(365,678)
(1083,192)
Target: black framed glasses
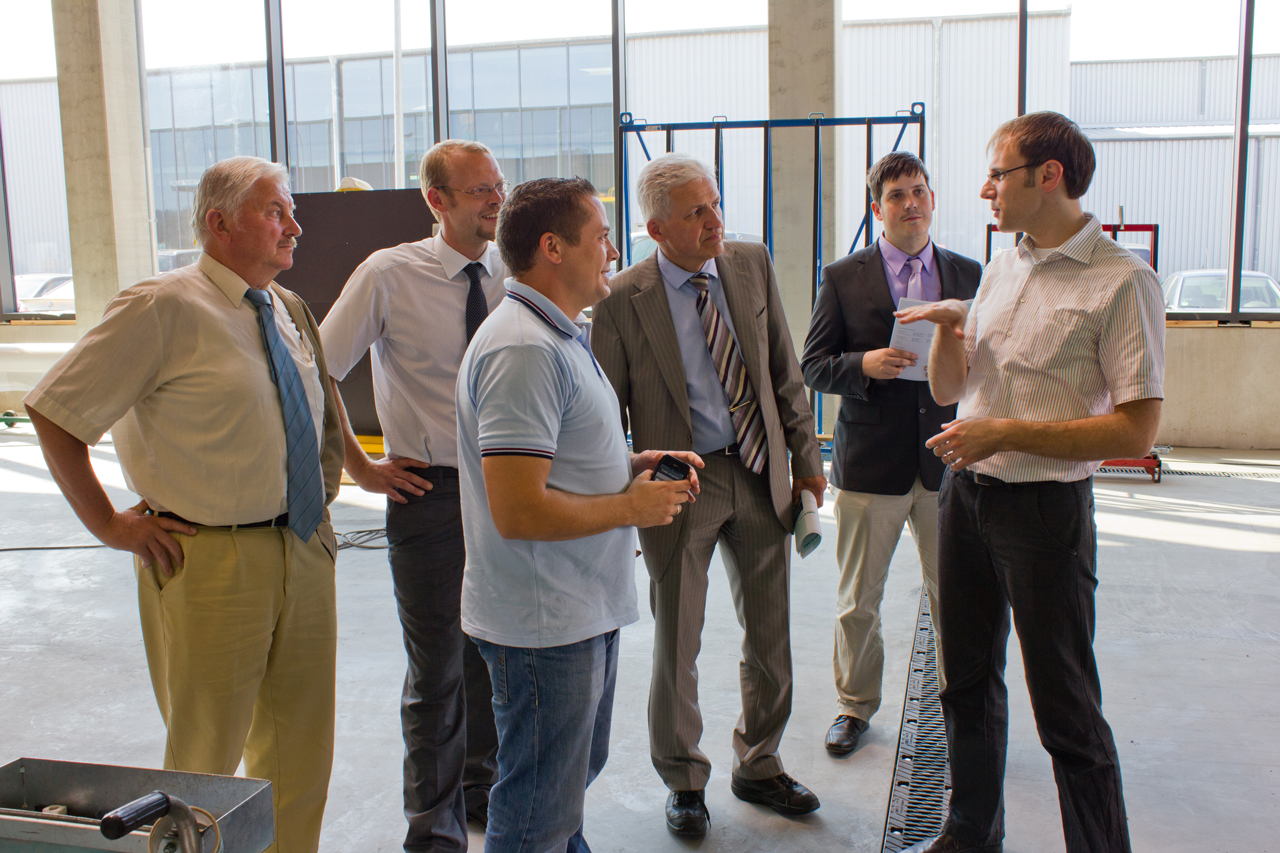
(480,192)
(995,176)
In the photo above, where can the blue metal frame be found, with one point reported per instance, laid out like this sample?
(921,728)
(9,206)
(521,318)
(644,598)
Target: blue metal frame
(719,124)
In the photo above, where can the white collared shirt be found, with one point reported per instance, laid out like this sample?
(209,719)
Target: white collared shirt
(409,303)
(1059,339)
(178,371)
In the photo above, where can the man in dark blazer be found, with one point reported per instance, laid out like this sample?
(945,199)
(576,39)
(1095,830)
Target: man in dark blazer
(880,467)
(696,346)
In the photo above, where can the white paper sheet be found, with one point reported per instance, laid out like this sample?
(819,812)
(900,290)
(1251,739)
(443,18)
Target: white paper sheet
(914,337)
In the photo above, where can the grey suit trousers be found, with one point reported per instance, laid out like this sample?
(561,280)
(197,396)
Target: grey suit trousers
(734,509)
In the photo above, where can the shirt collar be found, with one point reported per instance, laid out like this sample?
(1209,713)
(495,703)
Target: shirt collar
(231,285)
(455,262)
(1078,248)
(676,277)
(897,259)
(543,307)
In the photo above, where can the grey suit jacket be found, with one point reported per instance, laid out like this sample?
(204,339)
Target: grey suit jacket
(634,339)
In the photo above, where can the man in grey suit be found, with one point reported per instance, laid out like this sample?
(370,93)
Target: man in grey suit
(883,472)
(696,346)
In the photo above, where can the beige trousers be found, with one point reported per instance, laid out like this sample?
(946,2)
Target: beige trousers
(241,645)
(867,531)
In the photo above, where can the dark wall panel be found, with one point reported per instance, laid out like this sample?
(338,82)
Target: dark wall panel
(340,230)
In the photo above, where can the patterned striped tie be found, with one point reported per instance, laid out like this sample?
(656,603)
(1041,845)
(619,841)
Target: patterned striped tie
(748,423)
(306,482)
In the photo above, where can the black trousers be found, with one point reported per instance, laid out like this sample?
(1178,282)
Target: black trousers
(1029,548)
(446,711)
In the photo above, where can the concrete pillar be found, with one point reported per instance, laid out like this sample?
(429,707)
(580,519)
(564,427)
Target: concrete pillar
(100,97)
(804,78)
(108,204)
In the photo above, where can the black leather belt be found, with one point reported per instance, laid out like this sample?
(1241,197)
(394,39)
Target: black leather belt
(983,479)
(435,472)
(731,450)
(281,520)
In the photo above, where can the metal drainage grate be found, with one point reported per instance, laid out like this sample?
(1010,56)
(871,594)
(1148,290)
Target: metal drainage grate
(921,785)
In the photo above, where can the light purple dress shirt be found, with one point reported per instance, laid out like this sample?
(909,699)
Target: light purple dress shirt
(897,272)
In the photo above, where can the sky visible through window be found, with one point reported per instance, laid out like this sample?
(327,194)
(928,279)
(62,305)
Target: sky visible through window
(185,34)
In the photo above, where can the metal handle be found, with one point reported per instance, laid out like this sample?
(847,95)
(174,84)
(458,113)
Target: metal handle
(142,811)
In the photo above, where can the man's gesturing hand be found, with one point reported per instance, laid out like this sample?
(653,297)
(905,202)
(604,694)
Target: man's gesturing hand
(886,363)
(965,441)
(657,502)
(147,536)
(951,313)
(388,477)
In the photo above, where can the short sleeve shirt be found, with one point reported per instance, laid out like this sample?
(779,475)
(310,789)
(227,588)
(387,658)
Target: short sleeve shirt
(1064,338)
(529,386)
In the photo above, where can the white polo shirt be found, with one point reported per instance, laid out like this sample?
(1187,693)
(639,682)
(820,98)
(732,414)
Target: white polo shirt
(529,386)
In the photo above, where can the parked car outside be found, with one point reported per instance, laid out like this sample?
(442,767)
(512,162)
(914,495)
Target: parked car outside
(55,297)
(1206,290)
(172,259)
(32,285)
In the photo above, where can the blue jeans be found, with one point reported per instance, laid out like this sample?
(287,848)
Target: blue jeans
(553,708)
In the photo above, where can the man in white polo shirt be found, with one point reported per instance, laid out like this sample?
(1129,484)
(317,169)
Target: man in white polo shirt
(417,306)
(1059,364)
(551,498)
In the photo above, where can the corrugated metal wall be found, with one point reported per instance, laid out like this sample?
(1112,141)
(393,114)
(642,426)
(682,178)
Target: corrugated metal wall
(1170,91)
(695,76)
(35,176)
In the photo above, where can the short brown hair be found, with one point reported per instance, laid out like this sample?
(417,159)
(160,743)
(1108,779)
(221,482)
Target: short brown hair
(433,171)
(889,168)
(1044,136)
(535,208)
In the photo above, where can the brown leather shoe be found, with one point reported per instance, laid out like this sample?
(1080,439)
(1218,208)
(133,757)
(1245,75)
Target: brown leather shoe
(842,737)
(949,844)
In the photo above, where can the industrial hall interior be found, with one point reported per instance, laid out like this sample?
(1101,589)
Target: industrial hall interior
(639,426)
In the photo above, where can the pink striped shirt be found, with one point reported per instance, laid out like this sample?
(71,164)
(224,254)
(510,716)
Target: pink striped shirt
(1061,339)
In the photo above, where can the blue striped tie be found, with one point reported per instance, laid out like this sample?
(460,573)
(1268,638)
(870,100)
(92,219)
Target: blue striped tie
(306,483)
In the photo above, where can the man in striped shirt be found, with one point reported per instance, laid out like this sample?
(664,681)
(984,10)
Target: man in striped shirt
(1059,364)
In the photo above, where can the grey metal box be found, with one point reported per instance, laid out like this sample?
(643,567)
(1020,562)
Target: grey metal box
(242,807)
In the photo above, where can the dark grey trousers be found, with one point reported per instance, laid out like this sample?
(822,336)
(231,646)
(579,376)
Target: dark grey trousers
(446,712)
(1028,548)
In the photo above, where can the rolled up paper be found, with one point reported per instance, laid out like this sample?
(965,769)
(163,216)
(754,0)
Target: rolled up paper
(808,527)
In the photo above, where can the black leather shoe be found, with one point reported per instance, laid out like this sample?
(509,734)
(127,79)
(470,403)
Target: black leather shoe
(949,844)
(479,813)
(687,814)
(842,737)
(783,794)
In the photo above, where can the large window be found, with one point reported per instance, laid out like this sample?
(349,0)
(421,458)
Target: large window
(35,244)
(206,100)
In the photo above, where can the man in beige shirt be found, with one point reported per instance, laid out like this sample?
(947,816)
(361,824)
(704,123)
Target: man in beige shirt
(213,383)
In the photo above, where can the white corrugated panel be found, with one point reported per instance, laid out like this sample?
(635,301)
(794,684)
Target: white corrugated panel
(1170,91)
(1183,185)
(1264,236)
(678,77)
(35,176)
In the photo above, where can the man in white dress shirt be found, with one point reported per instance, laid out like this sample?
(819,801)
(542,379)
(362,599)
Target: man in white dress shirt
(213,384)
(417,305)
(1059,364)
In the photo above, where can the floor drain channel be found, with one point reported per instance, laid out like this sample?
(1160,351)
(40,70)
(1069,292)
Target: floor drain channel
(921,784)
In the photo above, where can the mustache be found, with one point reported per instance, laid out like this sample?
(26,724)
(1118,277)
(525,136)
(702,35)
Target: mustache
(292,243)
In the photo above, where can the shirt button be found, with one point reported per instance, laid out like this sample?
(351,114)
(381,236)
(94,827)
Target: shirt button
(922,411)
(1008,334)
(1022,300)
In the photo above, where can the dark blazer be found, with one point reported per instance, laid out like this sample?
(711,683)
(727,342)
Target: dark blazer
(883,423)
(634,339)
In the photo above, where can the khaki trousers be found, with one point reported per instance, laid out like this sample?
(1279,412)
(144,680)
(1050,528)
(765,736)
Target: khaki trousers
(867,531)
(241,645)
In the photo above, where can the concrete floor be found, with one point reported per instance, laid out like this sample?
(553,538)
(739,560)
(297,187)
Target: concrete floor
(1188,642)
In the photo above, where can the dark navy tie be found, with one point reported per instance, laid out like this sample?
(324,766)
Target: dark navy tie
(477,305)
(306,482)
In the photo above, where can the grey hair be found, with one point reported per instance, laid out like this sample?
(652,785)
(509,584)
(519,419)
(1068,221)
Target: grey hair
(660,176)
(433,171)
(226,185)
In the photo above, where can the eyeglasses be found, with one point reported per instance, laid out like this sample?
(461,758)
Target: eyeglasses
(995,176)
(480,192)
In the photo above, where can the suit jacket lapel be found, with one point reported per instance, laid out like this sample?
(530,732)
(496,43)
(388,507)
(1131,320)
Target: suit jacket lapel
(946,274)
(877,287)
(654,311)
